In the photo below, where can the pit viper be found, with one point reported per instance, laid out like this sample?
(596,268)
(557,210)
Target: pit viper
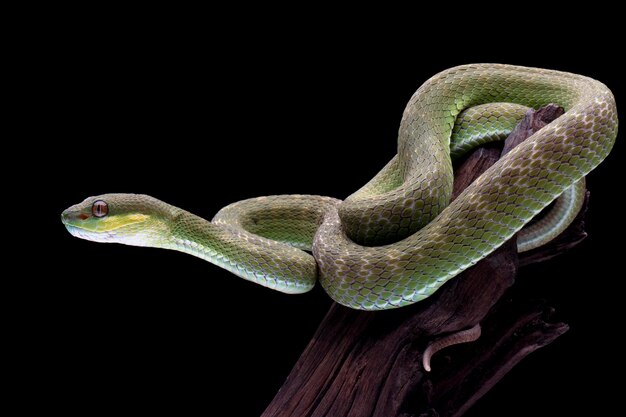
(398,239)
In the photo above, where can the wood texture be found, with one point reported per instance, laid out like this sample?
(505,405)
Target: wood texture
(369,363)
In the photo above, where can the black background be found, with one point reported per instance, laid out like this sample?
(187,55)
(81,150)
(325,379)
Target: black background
(200,119)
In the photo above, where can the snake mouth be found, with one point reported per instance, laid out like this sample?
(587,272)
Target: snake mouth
(75,231)
(70,218)
(75,224)
(94,236)
(86,234)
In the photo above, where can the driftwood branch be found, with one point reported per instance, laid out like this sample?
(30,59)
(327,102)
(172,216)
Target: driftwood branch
(369,364)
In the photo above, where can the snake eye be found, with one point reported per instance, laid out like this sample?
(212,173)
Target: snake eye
(100,208)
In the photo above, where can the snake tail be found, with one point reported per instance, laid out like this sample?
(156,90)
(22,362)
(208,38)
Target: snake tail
(463,336)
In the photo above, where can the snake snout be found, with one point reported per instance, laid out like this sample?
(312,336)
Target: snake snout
(72,216)
(67,216)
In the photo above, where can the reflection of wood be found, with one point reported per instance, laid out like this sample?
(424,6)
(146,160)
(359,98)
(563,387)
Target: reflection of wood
(369,364)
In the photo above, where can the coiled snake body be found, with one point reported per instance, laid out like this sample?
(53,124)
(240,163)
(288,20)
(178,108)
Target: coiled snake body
(397,240)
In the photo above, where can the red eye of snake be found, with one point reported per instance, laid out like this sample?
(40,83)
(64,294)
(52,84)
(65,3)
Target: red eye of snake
(100,208)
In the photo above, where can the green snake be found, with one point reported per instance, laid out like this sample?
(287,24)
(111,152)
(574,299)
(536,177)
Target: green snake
(398,239)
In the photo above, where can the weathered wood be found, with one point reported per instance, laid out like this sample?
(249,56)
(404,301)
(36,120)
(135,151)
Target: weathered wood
(369,364)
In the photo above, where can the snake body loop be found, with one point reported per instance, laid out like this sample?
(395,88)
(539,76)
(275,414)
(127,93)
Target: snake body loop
(398,239)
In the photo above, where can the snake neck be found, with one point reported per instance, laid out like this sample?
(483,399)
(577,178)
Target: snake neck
(232,248)
(195,236)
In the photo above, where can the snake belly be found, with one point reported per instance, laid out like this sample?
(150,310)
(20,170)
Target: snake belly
(398,239)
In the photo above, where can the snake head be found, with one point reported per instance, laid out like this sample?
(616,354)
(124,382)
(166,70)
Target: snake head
(131,219)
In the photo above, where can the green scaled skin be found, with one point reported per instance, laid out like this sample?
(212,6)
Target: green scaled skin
(398,239)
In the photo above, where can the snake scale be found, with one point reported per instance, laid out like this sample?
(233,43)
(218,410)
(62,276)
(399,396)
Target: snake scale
(398,239)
